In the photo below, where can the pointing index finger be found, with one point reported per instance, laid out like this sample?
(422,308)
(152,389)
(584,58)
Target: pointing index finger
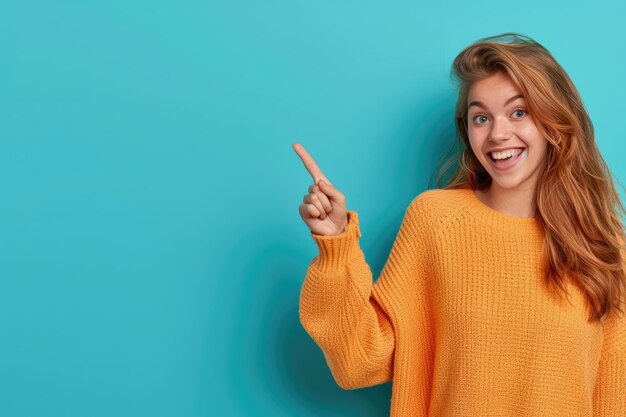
(309,163)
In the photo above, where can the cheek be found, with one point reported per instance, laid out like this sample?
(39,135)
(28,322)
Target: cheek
(475,141)
(543,151)
(529,130)
(536,141)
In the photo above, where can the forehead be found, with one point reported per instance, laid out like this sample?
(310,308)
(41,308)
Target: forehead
(495,88)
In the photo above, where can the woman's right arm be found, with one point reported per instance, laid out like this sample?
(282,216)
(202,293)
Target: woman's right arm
(351,319)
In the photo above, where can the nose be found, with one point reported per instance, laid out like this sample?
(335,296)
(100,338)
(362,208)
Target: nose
(501,130)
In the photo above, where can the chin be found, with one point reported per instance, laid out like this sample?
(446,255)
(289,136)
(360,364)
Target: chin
(508,183)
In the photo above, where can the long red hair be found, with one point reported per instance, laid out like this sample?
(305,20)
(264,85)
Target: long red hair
(577,203)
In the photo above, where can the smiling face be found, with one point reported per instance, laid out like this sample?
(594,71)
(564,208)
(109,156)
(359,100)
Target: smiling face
(498,119)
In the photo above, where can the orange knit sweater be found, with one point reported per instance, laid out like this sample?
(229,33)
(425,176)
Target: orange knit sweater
(460,318)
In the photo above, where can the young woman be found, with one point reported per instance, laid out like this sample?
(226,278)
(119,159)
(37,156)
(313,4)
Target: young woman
(504,291)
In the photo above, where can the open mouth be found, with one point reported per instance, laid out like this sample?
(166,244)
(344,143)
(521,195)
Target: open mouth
(511,154)
(510,159)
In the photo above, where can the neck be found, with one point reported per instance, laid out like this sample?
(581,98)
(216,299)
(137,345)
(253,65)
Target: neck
(514,202)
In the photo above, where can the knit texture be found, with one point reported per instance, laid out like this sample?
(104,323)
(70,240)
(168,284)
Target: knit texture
(460,318)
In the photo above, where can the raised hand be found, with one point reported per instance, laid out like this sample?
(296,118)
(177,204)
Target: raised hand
(324,207)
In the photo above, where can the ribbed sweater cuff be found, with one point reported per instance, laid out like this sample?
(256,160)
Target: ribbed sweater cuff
(336,251)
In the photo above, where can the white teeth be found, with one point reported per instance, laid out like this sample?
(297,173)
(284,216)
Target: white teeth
(505,154)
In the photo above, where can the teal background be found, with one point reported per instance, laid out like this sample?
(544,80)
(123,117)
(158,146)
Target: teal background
(151,249)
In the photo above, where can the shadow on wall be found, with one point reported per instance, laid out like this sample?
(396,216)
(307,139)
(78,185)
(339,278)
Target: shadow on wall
(273,366)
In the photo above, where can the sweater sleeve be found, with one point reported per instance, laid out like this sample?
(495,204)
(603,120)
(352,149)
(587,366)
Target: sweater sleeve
(351,319)
(609,398)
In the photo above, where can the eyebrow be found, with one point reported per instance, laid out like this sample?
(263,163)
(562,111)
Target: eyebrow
(480,104)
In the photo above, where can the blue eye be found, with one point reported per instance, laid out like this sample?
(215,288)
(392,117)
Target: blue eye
(514,111)
(480,115)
